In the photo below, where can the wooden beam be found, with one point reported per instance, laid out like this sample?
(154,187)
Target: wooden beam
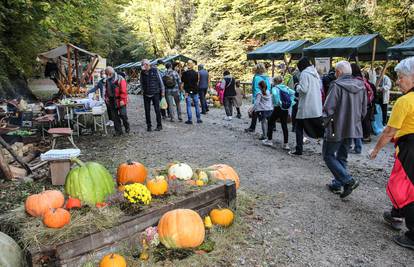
(273,68)
(374,51)
(4,167)
(77,70)
(384,69)
(69,69)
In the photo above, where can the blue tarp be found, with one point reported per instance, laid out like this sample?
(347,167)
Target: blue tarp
(277,50)
(401,51)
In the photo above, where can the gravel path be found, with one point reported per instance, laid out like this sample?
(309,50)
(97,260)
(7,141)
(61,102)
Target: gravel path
(297,222)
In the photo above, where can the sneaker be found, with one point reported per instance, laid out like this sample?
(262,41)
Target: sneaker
(295,153)
(225,118)
(267,142)
(188,122)
(159,128)
(404,241)
(286,146)
(306,140)
(249,130)
(262,138)
(172,120)
(180,119)
(394,222)
(149,129)
(348,188)
(366,140)
(199,121)
(334,189)
(238,116)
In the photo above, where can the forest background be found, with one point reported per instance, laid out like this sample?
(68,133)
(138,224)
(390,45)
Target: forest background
(217,33)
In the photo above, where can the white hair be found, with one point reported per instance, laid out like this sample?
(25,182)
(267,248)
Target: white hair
(145,61)
(109,69)
(405,67)
(344,67)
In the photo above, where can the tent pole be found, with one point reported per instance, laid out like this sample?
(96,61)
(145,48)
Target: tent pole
(357,60)
(374,50)
(77,70)
(384,69)
(273,68)
(69,69)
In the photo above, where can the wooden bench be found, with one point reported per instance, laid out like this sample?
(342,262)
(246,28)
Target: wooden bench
(61,132)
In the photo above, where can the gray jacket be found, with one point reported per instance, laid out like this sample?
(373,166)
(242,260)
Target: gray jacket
(263,102)
(344,109)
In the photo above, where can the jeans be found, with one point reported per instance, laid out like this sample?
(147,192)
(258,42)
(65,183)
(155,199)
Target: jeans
(118,114)
(155,99)
(358,145)
(406,212)
(173,99)
(283,116)
(228,105)
(195,99)
(202,94)
(335,155)
(299,135)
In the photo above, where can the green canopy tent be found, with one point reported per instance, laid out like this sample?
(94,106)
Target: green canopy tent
(278,50)
(401,51)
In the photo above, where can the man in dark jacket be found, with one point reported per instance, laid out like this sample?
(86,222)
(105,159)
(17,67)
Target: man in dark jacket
(153,89)
(116,98)
(190,80)
(344,109)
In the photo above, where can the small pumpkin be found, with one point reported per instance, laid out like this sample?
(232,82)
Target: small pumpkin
(180,171)
(201,175)
(56,218)
(37,204)
(89,182)
(72,203)
(157,186)
(181,228)
(101,205)
(131,172)
(223,172)
(113,260)
(199,183)
(207,222)
(222,217)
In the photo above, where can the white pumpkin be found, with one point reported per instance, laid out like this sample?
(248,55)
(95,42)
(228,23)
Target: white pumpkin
(11,254)
(180,171)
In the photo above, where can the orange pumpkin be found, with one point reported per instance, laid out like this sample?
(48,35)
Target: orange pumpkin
(222,217)
(101,205)
(157,186)
(131,172)
(72,203)
(223,172)
(113,260)
(56,218)
(181,228)
(36,205)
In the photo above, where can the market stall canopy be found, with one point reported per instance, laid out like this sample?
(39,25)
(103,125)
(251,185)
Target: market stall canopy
(61,51)
(177,57)
(359,47)
(163,60)
(277,50)
(401,51)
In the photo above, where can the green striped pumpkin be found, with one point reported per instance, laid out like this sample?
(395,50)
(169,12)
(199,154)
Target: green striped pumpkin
(90,182)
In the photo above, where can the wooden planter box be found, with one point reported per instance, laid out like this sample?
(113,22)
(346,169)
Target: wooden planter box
(74,253)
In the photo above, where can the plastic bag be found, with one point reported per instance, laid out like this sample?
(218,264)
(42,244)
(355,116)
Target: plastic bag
(163,103)
(376,124)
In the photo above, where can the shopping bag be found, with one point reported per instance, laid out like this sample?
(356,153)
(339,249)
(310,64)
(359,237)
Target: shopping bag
(163,103)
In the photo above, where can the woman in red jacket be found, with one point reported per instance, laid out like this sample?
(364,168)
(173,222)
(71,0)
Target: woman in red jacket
(400,129)
(116,97)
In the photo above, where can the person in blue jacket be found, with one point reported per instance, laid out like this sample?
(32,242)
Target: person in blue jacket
(260,75)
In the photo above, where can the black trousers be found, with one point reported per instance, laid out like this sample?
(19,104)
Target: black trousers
(384,109)
(294,112)
(228,105)
(254,121)
(299,125)
(108,111)
(202,94)
(278,113)
(155,99)
(366,122)
(408,213)
(118,114)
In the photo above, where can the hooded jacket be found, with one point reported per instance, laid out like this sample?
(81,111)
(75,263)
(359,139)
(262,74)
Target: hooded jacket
(345,107)
(310,97)
(116,87)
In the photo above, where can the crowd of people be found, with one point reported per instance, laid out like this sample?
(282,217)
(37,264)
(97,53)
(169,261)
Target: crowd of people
(338,107)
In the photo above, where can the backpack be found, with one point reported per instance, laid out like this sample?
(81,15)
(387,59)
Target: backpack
(370,92)
(285,99)
(169,80)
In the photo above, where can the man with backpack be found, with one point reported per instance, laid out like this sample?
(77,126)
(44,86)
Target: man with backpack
(283,99)
(153,89)
(172,82)
(116,98)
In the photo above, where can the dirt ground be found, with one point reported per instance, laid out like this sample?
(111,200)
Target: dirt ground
(297,221)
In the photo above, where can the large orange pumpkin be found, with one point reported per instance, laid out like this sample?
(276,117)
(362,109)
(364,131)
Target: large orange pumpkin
(131,172)
(113,260)
(56,218)
(223,172)
(181,228)
(222,217)
(157,186)
(36,205)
